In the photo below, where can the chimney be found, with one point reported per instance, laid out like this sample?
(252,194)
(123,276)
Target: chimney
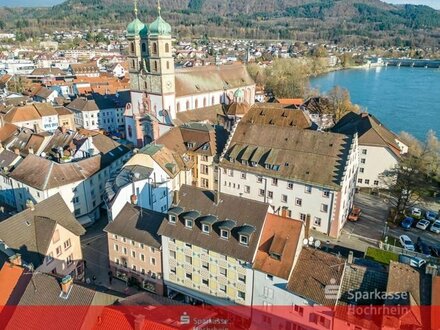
(307,229)
(66,284)
(176,198)
(17,151)
(31,150)
(350,257)
(15,259)
(139,322)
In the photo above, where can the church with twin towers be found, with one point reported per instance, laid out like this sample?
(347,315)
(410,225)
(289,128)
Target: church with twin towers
(160,91)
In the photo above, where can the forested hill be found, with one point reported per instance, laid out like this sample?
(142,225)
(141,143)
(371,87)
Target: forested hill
(342,21)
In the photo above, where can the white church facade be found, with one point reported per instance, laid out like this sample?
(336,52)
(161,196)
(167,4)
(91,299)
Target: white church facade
(159,91)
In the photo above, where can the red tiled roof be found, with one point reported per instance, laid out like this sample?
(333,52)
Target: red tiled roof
(9,276)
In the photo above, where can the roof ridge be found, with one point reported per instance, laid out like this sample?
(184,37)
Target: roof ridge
(46,180)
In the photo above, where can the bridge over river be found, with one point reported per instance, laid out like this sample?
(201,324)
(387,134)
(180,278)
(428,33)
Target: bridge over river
(411,62)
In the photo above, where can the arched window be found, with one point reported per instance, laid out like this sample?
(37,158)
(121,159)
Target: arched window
(154,48)
(144,48)
(187,105)
(155,66)
(132,47)
(213,100)
(196,104)
(130,133)
(167,48)
(168,65)
(133,64)
(145,85)
(204,102)
(178,106)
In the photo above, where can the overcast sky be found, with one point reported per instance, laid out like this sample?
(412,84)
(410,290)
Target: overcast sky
(433,3)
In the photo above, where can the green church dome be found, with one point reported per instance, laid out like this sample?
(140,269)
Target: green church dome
(137,28)
(160,27)
(239,94)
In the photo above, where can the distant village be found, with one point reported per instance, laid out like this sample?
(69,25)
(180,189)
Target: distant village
(153,171)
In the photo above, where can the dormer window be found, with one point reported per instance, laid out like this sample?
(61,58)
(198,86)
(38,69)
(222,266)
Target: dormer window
(224,233)
(188,223)
(172,218)
(244,239)
(275,256)
(205,228)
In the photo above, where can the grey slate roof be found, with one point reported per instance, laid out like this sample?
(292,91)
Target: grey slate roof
(243,211)
(29,232)
(142,228)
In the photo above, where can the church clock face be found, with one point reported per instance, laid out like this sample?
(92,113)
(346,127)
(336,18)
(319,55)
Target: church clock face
(169,84)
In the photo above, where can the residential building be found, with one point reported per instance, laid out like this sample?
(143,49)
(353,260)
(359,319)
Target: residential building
(65,118)
(43,94)
(209,243)
(278,251)
(379,148)
(49,116)
(36,116)
(45,235)
(310,175)
(81,183)
(150,178)
(85,112)
(85,69)
(135,247)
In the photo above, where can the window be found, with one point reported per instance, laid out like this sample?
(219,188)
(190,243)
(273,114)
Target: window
(188,260)
(205,183)
(77,211)
(268,292)
(359,180)
(261,192)
(154,48)
(284,198)
(241,295)
(298,309)
(133,254)
(290,185)
(153,261)
(244,239)
(317,221)
(243,176)
(269,277)
(362,160)
(168,67)
(204,158)
(270,194)
(189,246)
(75,200)
(205,265)
(364,151)
(205,228)
(308,189)
(247,189)
(361,169)
(242,278)
(205,281)
(223,271)
(188,223)
(274,182)
(224,233)
(204,102)
(144,48)
(196,104)
(259,179)
(173,270)
(69,260)
(367,181)
(189,276)
(167,48)
(376,183)
(178,106)
(142,256)
(204,169)
(155,66)
(222,288)
(116,247)
(58,250)
(231,173)
(133,243)
(173,254)
(132,47)
(326,193)
(125,250)
(298,201)
(324,208)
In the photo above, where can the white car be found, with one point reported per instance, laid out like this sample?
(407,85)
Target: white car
(406,243)
(416,212)
(423,224)
(435,228)
(431,216)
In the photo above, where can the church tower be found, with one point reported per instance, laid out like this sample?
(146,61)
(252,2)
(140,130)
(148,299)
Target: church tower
(160,84)
(137,36)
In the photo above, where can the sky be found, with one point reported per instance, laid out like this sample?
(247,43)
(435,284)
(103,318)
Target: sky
(432,3)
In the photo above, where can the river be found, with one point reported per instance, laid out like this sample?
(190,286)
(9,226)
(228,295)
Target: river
(403,99)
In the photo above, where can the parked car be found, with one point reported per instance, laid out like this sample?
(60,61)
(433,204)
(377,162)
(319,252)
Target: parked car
(423,247)
(412,261)
(407,223)
(354,214)
(431,215)
(423,224)
(406,243)
(417,212)
(435,227)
